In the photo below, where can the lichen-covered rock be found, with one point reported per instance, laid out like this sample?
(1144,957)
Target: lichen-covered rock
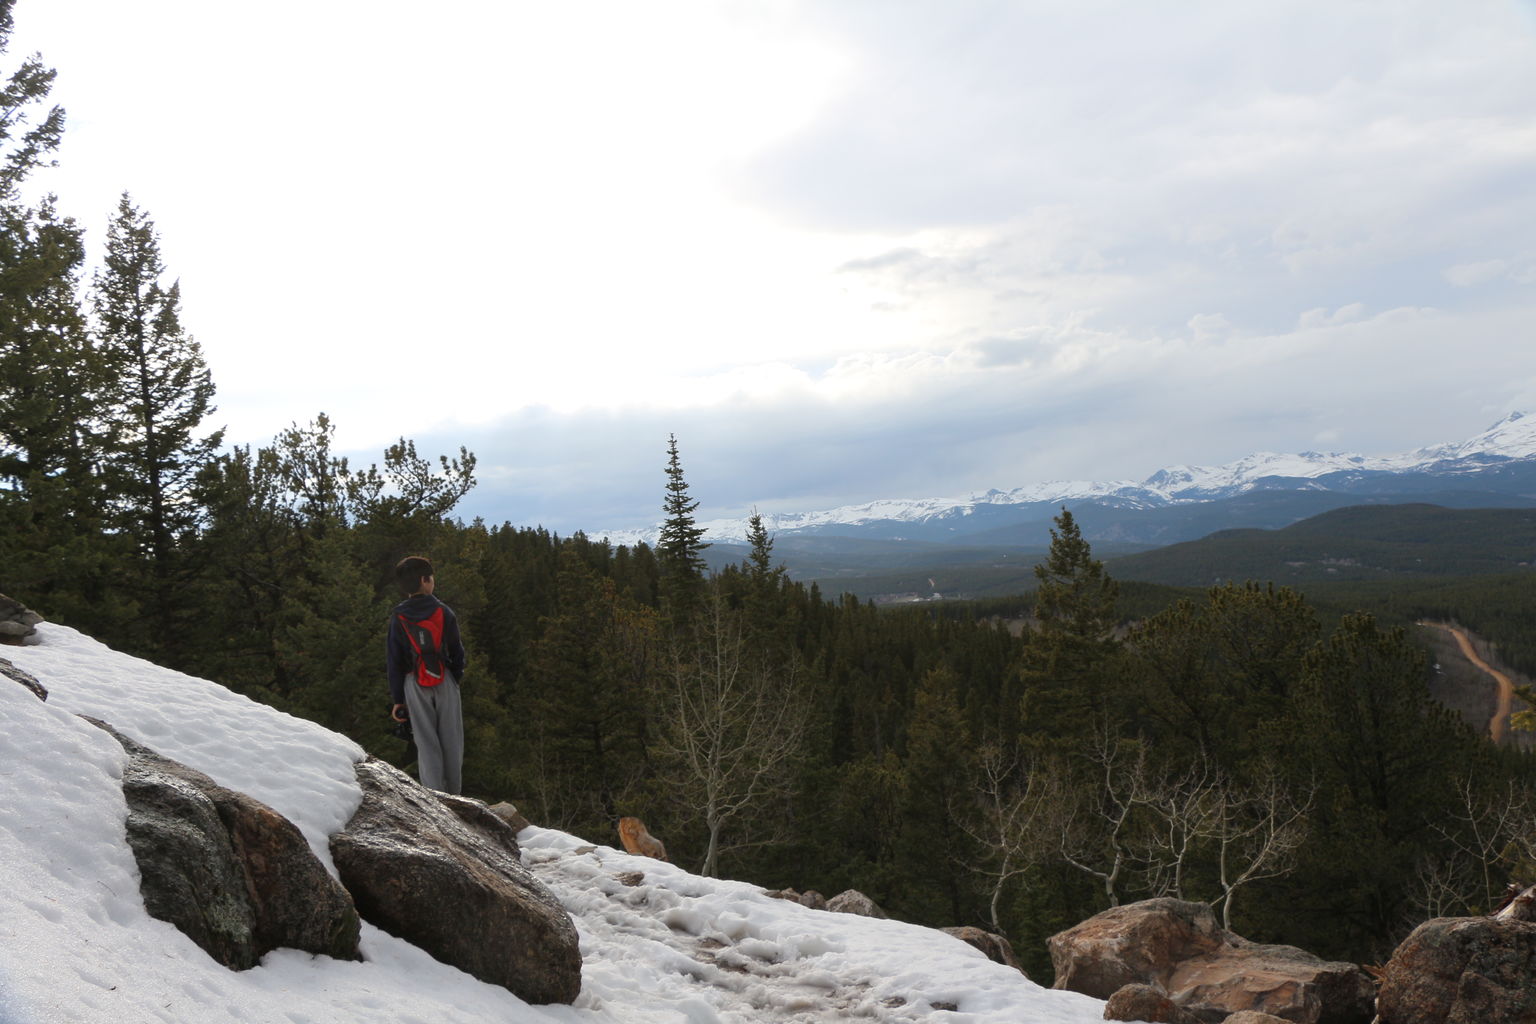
(1206,970)
(234,875)
(994,946)
(418,871)
(851,901)
(1460,970)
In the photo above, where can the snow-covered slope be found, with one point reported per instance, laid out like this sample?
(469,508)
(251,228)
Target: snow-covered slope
(76,944)
(1512,438)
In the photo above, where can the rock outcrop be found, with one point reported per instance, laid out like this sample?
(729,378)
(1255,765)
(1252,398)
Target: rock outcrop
(851,901)
(994,946)
(1462,969)
(455,887)
(1206,971)
(23,677)
(237,877)
(17,622)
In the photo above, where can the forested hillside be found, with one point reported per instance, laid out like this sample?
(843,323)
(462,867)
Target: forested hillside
(1360,543)
(1228,748)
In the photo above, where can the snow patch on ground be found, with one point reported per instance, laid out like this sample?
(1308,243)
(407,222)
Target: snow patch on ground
(76,944)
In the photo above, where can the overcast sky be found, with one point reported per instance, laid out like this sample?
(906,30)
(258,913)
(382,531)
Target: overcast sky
(845,250)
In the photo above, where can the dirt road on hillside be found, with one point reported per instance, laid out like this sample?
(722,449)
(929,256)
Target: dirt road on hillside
(1498,725)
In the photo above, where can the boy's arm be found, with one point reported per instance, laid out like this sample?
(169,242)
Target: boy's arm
(397,659)
(453,645)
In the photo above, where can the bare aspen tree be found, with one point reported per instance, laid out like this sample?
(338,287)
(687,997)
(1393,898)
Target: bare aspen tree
(734,725)
(1485,829)
(1184,812)
(1250,831)
(1257,829)
(1096,820)
(1014,798)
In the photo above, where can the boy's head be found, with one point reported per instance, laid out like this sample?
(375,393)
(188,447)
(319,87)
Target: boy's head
(413,574)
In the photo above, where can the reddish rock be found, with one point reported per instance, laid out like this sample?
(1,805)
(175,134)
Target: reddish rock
(1145,1003)
(511,815)
(1137,944)
(1207,971)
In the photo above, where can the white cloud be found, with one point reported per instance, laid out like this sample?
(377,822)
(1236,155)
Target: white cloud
(850,249)
(1465,275)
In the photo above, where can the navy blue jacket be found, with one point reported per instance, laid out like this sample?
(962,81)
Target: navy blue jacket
(400,656)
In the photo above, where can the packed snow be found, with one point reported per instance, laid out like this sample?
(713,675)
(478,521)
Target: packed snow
(1513,437)
(76,944)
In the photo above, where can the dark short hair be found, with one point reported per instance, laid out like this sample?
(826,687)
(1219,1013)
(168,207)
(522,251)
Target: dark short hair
(411,571)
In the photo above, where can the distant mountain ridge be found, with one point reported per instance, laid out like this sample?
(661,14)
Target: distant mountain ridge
(1496,468)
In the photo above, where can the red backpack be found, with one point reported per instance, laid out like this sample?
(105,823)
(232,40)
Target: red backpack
(426,637)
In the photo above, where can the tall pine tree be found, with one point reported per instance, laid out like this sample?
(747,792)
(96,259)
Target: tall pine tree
(160,396)
(680,546)
(1073,637)
(51,537)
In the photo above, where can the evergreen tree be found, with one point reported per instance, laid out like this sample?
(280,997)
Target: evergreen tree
(759,564)
(583,704)
(1074,596)
(51,537)
(1387,757)
(161,394)
(680,546)
(937,766)
(1073,637)
(28,136)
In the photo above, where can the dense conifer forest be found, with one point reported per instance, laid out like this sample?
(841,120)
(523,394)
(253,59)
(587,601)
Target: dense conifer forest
(1018,765)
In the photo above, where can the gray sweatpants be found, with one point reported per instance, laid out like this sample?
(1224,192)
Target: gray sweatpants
(437,720)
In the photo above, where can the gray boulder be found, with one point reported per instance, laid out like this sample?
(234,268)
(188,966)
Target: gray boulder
(994,946)
(483,821)
(23,677)
(234,875)
(441,877)
(851,901)
(1206,970)
(17,622)
(1462,969)
(810,898)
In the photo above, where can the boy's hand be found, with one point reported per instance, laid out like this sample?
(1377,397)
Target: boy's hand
(397,712)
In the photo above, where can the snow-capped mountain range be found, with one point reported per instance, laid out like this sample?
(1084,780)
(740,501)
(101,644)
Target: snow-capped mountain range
(1512,440)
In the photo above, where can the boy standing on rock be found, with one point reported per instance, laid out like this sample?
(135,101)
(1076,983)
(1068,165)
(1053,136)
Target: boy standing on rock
(424,659)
